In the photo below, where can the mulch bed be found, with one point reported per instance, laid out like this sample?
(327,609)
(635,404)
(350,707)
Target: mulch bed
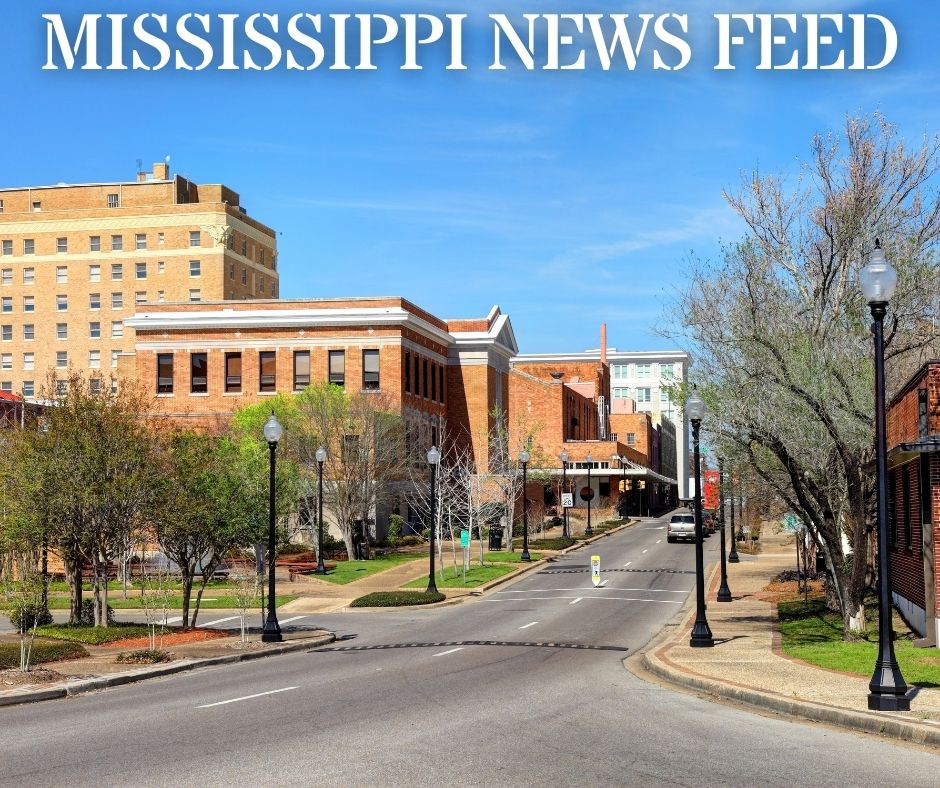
(787,592)
(171,638)
(11,676)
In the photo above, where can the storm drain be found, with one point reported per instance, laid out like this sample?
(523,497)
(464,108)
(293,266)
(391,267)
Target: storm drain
(446,643)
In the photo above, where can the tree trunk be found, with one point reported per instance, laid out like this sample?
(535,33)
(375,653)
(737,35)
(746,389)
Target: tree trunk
(73,575)
(187,581)
(103,614)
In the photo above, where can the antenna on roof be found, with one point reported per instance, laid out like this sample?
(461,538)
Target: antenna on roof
(140,165)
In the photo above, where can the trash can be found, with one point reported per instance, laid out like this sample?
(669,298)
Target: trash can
(496,537)
(820,562)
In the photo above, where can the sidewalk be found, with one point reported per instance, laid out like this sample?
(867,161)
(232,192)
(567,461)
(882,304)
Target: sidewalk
(746,664)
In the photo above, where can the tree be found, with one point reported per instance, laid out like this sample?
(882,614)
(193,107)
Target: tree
(781,333)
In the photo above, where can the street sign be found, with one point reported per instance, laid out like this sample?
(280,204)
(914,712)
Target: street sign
(567,500)
(464,538)
(791,523)
(587,493)
(596,570)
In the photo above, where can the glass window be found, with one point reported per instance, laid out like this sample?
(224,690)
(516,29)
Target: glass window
(337,371)
(61,303)
(199,373)
(6,333)
(161,238)
(140,297)
(161,267)
(6,304)
(28,331)
(94,273)
(37,206)
(140,240)
(160,296)
(29,276)
(29,388)
(195,268)
(6,277)
(117,272)
(114,201)
(117,300)
(425,383)
(94,386)
(94,300)
(29,246)
(643,395)
(94,359)
(301,369)
(29,361)
(6,361)
(644,371)
(195,238)
(664,396)
(141,270)
(114,360)
(94,243)
(8,247)
(440,386)
(61,245)
(231,271)
(61,387)
(666,371)
(407,372)
(61,274)
(244,276)
(6,386)
(61,330)
(370,370)
(117,328)
(117,243)
(267,362)
(62,359)
(29,304)
(233,372)
(164,373)
(94,330)
(619,371)
(195,296)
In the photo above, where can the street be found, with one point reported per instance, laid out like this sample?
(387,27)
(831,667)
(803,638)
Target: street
(524,686)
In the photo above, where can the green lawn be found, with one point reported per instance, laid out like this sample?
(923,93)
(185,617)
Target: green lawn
(348,571)
(508,558)
(95,635)
(133,602)
(43,651)
(814,635)
(476,576)
(116,585)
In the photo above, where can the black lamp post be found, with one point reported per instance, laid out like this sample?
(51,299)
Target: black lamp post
(272,434)
(434,457)
(724,593)
(524,461)
(564,489)
(733,555)
(321,458)
(589,531)
(701,632)
(623,478)
(888,690)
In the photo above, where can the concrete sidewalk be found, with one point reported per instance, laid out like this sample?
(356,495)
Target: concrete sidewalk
(747,666)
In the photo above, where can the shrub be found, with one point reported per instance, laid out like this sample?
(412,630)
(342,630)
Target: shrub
(144,656)
(293,549)
(397,599)
(411,541)
(88,614)
(558,543)
(29,615)
(43,651)
(395,525)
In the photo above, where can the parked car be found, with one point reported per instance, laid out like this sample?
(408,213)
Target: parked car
(681,526)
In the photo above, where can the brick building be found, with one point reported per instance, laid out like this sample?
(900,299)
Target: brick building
(914,501)
(77,260)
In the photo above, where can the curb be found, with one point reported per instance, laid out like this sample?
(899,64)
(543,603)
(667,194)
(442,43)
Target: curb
(83,686)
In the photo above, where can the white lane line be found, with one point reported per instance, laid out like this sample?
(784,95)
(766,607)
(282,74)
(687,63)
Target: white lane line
(530,624)
(288,620)
(451,651)
(218,621)
(574,601)
(246,697)
(627,564)
(659,541)
(644,551)
(173,620)
(612,588)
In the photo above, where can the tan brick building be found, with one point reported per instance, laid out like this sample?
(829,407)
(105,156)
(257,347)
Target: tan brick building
(77,260)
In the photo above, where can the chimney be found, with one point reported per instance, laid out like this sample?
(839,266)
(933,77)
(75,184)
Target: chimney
(161,171)
(603,343)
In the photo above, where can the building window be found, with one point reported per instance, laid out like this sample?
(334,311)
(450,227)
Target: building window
(233,372)
(117,272)
(7,386)
(664,396)
(417,381)
(114,360)
(666,372)
(29,276)
(906,505)
(61,387)
(337,371)
(6,304)
(61,303)
(6,277)
(644,371)
(370,370)
(61,330)
(261,284)
(1,206)
(61,274)
(7,247)
(37,206)
(140,270)
(619,371)
(62,359)
(94,273)
(440,385)
(6,361)
(231,271)
(29,331)
(350,448)
(94,330)
(94,386)
(28,388)
(631,438)
(94,243)
(195,238)
(114,201)
(6,333)
(94,359)
(267,362)
(94,300)
(892,514)
(159,296)
(161,267)
(244,276)
(195,296)
(140,240)
(425,383)
(117,328)
(643,395)
(29,304)
(29,246)
(161,238)
(29,361)
(117,300)
(261,256)
(117,243)
(140,297)
(195,269)
(198,373)
(164,373)
(407,372)
(301,369)
(244,247)
(61,245)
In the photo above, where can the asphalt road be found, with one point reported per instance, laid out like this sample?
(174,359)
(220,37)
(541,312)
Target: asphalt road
(522,687)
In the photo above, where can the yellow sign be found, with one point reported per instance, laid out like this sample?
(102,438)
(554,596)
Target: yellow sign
(596,570)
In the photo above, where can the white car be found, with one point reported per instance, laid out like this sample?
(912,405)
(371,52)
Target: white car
(681,526)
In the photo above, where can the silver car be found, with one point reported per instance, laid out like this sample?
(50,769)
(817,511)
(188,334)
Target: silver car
(681,526)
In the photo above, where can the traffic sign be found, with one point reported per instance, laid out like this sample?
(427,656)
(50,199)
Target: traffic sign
(567,500)
(464,538)
(790,522)
(587,493)
(596,570)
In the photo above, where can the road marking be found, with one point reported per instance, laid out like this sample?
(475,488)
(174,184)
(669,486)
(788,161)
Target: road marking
(627,564)
(530,624)
(450,651)
(602,583)
(644,551)
(659,541)
(246,697)
(612,588)
(295,618)
(574,601)
(218,621)
(173,620)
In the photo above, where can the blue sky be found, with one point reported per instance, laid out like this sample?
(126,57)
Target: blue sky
(567,198)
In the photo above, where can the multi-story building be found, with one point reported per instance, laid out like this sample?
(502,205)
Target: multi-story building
(76,260)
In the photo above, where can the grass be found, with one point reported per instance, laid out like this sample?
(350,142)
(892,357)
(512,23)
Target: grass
(476,576)
(133,602)
(95,636)
(396,599)
(814,635)
(43,651)
(349,571)
(60,586)
(555,543)
(508,558)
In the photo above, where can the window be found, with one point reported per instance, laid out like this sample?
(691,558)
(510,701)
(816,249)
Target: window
(141,270)
(114,201)
(62,359)
(301,369)
(117,300)
(94,243)
(417,376)
(643,395)
(195,296)
(37,206)
(370,370)
(117,243)
(6,333)
(61,303)
(161,267)
(261,284)
(28,388)
(198,373)
(337,372)
(94,359)
(117,272)
(94,300)
(631,438)
(244,247)
(233,372)
(114,359)
(29,246)
(906,505)
(94,386)
(29,361)
(61,387)
(434,381)
(1,206)
(231,270)
(195,238)
(424,378)
(94,273)
(195,269)
(644,370)
(244,276)
(94,330)
(7,247)
(164,373)
(61,274)
(666,372)
(159,296)
(61,245)
(29,276)
(440,386)
(261,256)
(267,362)
(6,304)
(161,238)
(892,514)
(117,328)
(618,371)
(6,361)
(664,396)
(140,297)
(407,372)
(61,330)
(230,242)
(6,277)
(28,331)
(140,241)
(6,386)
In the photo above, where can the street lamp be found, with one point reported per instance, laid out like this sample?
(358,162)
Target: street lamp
(564,489)
(621,485)
(524,459)
(724,593)
(434,457)
(321,458)
(589,531)
(272,434)
(888,691)
(733,555)
(701,632)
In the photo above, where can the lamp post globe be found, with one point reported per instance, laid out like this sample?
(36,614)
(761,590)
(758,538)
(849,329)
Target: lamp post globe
(701,632)
(321,458)
(434,459)
(887,688)
(273,431)
(524,460)
(564,488)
